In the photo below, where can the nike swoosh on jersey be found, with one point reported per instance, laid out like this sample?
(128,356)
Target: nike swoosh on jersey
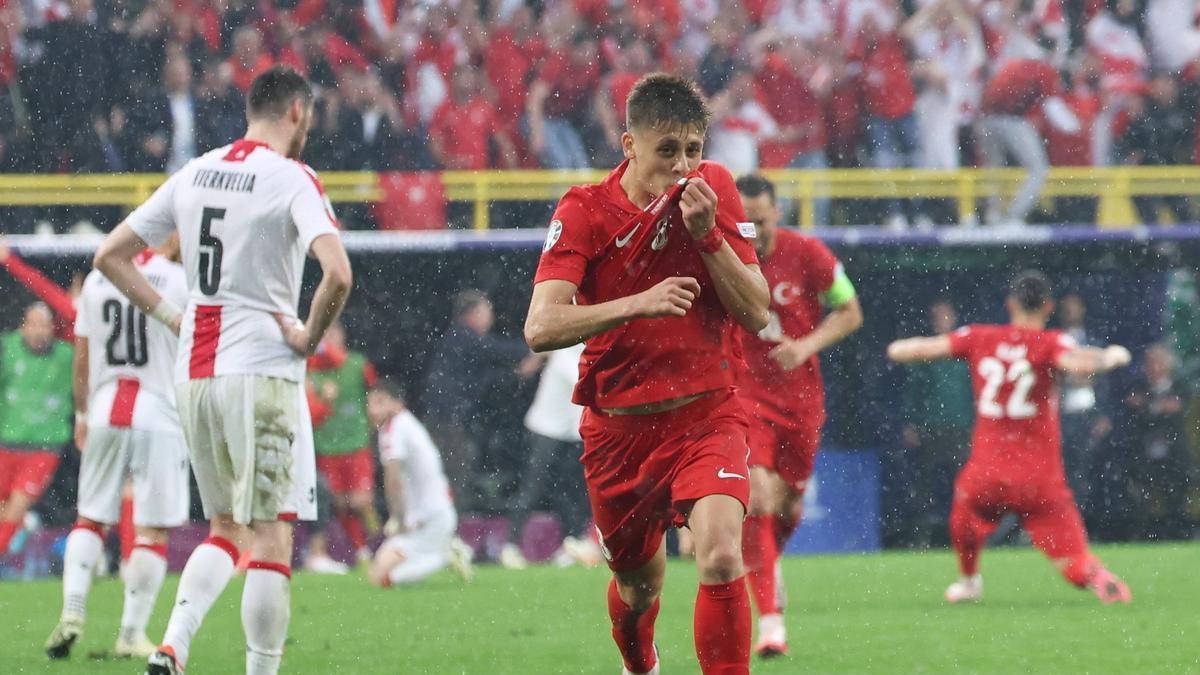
(622,242)
(722,473)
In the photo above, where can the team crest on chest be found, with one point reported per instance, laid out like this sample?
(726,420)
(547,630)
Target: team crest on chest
(661,237)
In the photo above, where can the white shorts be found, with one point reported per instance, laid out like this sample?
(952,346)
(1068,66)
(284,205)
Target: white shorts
(242,432)
(301,503)
(156,460)
(426,549)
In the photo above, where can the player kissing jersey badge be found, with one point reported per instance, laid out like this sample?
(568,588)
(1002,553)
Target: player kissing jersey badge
(552,235)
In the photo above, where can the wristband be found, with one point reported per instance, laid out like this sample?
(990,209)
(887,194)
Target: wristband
(711,242)
(166,312)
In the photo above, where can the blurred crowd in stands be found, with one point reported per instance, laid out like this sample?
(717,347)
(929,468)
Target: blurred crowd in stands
(406,85)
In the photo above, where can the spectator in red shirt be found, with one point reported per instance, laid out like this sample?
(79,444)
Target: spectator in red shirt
(633,60)
(465,124)
(248,58)
(1019,88)
(558,103)
(888,97)
(512,50)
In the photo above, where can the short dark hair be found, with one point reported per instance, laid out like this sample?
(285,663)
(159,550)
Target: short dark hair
(1031,290)
(386,385)
(466,300)
(753,184)
(273,91)
(661,100)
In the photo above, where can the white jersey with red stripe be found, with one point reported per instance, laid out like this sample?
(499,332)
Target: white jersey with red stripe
(131,357)
(246,217)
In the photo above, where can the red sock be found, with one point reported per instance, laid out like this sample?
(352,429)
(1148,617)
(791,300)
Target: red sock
(722,628)
(633,633)
(125,529)
(354,530)
(7,529)
(760,552)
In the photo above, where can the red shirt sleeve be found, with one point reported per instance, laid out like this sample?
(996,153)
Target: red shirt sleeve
(729,210)
(319,410)
(960,342)
(370,377)
(570,242)
(1058,344)
(820,265)
(40,285)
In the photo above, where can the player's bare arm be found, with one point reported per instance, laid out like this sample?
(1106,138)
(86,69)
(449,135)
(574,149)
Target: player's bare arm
(912,350)
(554,322)
(79,390)
(327,302)
(837,324)
(742,289)
(393,485)
(1093,360)
(114,259)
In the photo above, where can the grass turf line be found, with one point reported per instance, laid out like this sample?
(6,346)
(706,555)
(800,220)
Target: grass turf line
(848,614)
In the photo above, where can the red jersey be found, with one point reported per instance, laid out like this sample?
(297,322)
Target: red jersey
(645,360)
(1020,86)
(798,271)
(464,131)
(1016,395)
(887,87)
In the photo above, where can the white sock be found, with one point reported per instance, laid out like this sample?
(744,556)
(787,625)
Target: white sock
(266,610)
(84,548)
(144,573)
(208,571)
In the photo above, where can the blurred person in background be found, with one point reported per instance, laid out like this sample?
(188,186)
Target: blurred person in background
(1084,425)
(465,363)
(35,415)
(465,129)
(1161,463)
(936,436)
(558,104)
(740,122)
(421,515)
(888,94)
(1162,132)
(552,472)
(1015,465)
(1021,87)
(1113,39)
(340,378)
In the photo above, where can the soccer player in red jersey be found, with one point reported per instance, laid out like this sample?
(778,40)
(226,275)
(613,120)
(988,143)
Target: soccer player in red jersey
(652,270)
(1016,455)
(783,393)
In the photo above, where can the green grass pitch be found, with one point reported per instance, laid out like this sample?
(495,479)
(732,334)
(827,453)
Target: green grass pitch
(848,614)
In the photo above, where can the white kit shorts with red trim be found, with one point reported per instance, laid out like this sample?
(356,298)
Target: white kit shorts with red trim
(157,461)
(242,431)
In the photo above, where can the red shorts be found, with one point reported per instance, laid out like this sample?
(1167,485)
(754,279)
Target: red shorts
(351,472)
(26,471)
(644,472)
(784,442)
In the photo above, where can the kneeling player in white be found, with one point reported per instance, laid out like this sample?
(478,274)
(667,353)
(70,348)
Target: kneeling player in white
(126,426)
(422,521)
(247,214)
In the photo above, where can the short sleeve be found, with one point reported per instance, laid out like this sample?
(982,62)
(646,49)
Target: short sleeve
(83,326)
(820,265)
(154,220)
(311,210)
(370,377)
(730,211)
(960,342)
(570,244)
